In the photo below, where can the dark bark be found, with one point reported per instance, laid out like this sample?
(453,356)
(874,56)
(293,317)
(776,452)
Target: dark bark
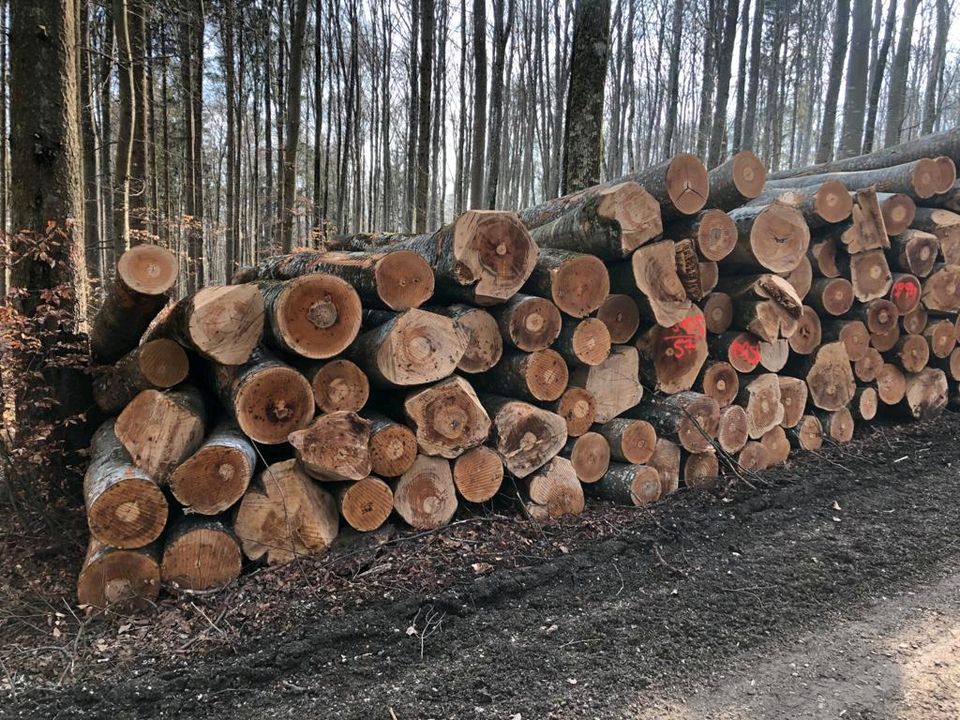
(837,55)
(855,92)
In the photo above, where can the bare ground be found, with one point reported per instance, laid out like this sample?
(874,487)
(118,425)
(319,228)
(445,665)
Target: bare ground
(829,589)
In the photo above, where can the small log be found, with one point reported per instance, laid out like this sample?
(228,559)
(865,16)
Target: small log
(879,316)
(221,323)
(145,274)
(941,337)
(763,318)
(654,272)
(334,447)
(393,447)
(772,238)
(891,384)
(709,272)
(590,456)
(941,291)
(733,432)
(554,491)
(365,504)
(680,185)
(831,296)
(125,506)
(578,408)
(837,425)
(155,365)
(898,211)
(161,429)
(829,376)
(614,384)
(774,355)
(793,397)
(824,204)
(916,320)
(412,348)
(584,341)
(740,349)
(216,476)
(869,274)
(717,312)
(910,353)
(111,577)
(867,230)
(200,553)
(636,485)
(801,277)
(919,179)
(484,342)
(666,461)
(447,417)
(528,323)
(525,436)
(807,435)
(538,376)
(736,181)
(478,474)
(688,268)
(630,441)
(576,283)
(823,256)
(712,231)
(690,418)
(777,445)
(621,316)
(868,367)
(950,364)
(671,357)
(338,385)
(395,280)
(943,225)
(267,398)
(865,403)
(285,515)
(754,457)
(914,251)
(925,395)
(852,333)
(905,293)
(808,335)
(761,399)
(886,341)
(700,470)
(719,380)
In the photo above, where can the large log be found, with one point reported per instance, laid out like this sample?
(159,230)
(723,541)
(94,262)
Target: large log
(447,417)
(315,316)
(941,336)
(145,274)
(823,204)
(690,418)
(919,179)
(155,365)
(801,277)
(630,441)
(412,348)
(867,368)
(161,429)
(125,506)
(671,357)
(338,385)
(267,398)
(365,504)
(115,578)
(614,384)
(425,496)
(879,316)
(829,376)
(761,399)
(584,341)
(653,273)
(666,461)
(733,432)
(525,436)
(719,380)
(867,229)
(484,342)
(808,335)
(285,515)
(910,353)
(777,445)
(221,323)
(217,475)
(914,251)
(737,181)
(941,291)
(681,185)
(712,231)
(916,320)
(589,454)
(621,316)
(200,553)
(396,279)
(538,376)
(576,283)
(553,491)
(527,322)
(627,484)
(943,225)
(823,255)
(852,333)
(392,446)
(926,393)
(774,355)
(864,404)
(754,457)
(774,237)
(869,274)
(578,407)
(837,425)
(478,474)
(334,447)
(886,341)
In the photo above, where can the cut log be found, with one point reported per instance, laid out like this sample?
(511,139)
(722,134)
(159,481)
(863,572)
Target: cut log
(478,474)
(879,316)
(916,320)
(891,384)
(801,277)
(941,337)
(709,277)
(393,447)
(621,316)
(590,456)
(608,222)
(636,485)
(793,397)
(774,355)
(155,365)
(200,553)
(720,381)
(712,231)
(125,506)
(425,496)
(763,318)
(808,434)
(161,429)
(680,185)
(338,385)
(447,417)
(584,341)
(852,333)
(334,447)
(823,258)
(145,274)
(926,394)
(688,268)
(898,211)
(865,403)
(941,291)
(216,476)
(837,425)
(578,408)
(763,287)
(538,376)
(823,204)
(614,384)
(111,577)
(576,283)
(630,441)
(950,365)
(807,337)
(736,181)
(554,491)
(910,353)
(221,323)
(777,445)
(754,457)
(943,225)
(671,357)
(267,398)
(831,296)
(886,341)
(868,367)
(870,275)
(666,461)
(740,349)
(690,418)
(285,515)
(484,342)
(948,200)
(919,179)
(365,504)
(772,238)
(717,312)
(829,376)
(914,251)
(654,272)
(733,432)
(412,348)
(528,323)
(867,230)
(905,293)
(525,436)
(761,399)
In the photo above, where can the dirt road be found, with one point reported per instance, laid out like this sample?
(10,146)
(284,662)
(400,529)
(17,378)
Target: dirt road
(831,590)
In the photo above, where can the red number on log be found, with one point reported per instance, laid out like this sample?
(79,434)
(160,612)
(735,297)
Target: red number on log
(745,350)
(686,334)
(904,288)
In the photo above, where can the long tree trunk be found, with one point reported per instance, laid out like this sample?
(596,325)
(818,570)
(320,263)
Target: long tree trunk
(855,92)
(931,109)
(718,133)
(750,113)
(294,87)
(423,114)
(674,79)
(876,79)
(897,88)
(479,102)
(837,55)
(502,24)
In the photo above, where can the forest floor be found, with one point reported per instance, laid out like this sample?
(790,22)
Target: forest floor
(829,587)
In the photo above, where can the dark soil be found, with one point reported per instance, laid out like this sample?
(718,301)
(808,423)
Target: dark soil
(495,617)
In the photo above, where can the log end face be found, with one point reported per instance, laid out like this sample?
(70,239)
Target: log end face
(578,407)
(448,417)
(227,322)
(621,316)
(688,185)
(638,441)
(733,433)
(366,504)
(425,496)
(925,178)
(832,202)
(581,285)
(484,342)
(205,558)
(130,513)
(749,174)
(317,316)
(334,447)
(494,252)
(340,385)
(898,212)
(779,237)
(555,491)
(590,457)
(546,375)
(118,578)
(534,324)
(635,211)
(404,280)
(947,173)
(591,341)
(393,450)
(212,480)
(273,403)
(478,474)
(163,363)
(422,347)
(148,269)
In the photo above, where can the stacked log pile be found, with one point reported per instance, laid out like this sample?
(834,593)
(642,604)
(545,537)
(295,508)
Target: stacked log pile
(652,332)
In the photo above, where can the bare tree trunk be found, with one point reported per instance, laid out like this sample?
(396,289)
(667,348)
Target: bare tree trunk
(896,95)
(741,77)
(931,106)
(876,79)
(479,102)
(837,56)
(725,62)
(227,26)
(90,188)
(502,25)
(125,129)
(191,80)
(674,79)
(423,114)
(712,38)
(750,114)
(294,87)
(317,108)
(412,127)
(855,93)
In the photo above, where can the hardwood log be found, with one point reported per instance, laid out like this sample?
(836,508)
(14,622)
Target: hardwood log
(865,403)
(867,230)
(941,291)
(925,394)
(774,237)
(898,211)
(700,470)
(200,553)
(905,293)
(891,384)
(681,185)
(392,446)
(916,320)
(774,355)
(837,425)
(626,484)
(733,432)
(576,283)
(614,384)
(919,179)
(823,204)
(914,251)
(828,375)
(690,418)
(484,341)
(867,368)
(447,417)
(823,256)
(653,273)
(337,385)
(688,268)
(910,353)
(365,504)
(478,474)
(801,277)
(554,491)
(878,316)
(709,277)
(808,335)
(578,407)
(538,376)
(941,337)
(621,316)
(217,475)
(736,181)
(334,447)
(630,441)
(886,341)
(584,341)
(528,323)
(943,225)
(807,435)
(740,349)
(155,365)
(712,231)
(117,578)
(589,454)
(777,445)
(717,310)
(950,364)
(754,457)
(869,274)
(525,436)
(719,380)
(761,399)
(671,357)
(793,397)
(666,461)
(831,296)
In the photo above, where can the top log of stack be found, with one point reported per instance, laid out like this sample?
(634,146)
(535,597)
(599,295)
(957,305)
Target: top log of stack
(618,340)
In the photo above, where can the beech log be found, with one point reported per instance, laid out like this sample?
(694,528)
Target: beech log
(216,476)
